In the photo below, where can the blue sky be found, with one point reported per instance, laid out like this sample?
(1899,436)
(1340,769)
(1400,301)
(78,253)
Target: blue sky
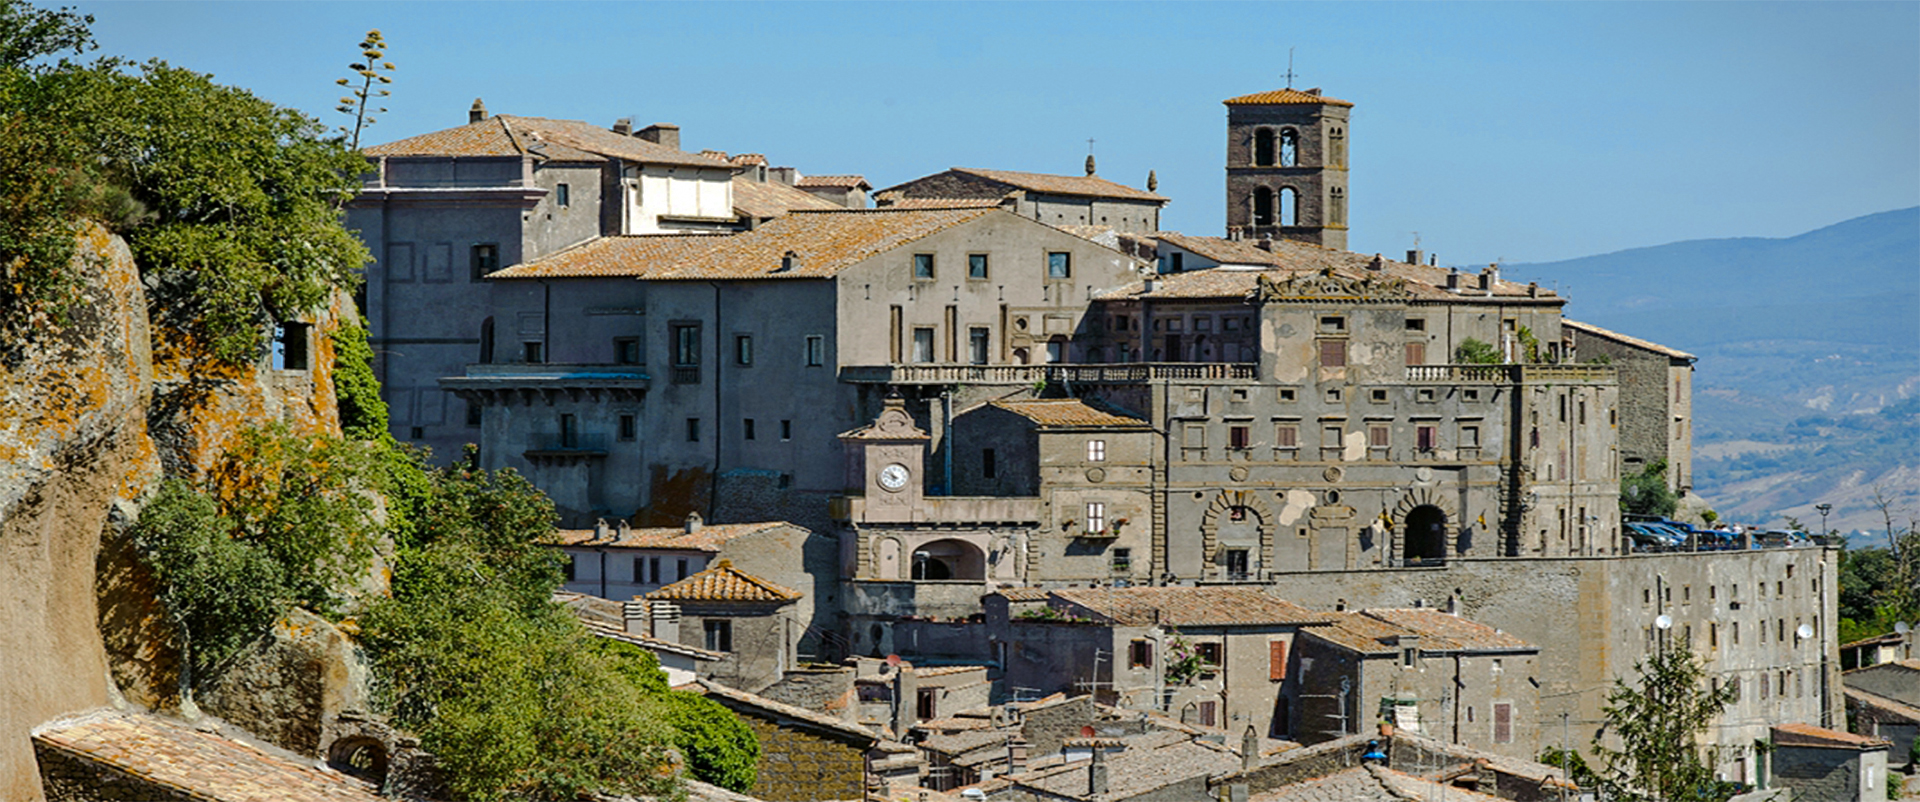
(1515,131)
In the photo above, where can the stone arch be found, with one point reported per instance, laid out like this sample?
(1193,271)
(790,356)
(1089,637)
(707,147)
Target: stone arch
(1287,207)
(1263,206)
(1263,147)
(360,756)
(1416,498)
(949,558)
(886,559)
(1289,147)
(1222,504)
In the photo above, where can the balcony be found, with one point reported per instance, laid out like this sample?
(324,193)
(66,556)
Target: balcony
(955,510)
(1511,374)
(521,382)
(1120,373)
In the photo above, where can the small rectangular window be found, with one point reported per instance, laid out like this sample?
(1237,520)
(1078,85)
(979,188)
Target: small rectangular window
(719,635)
(1503,722)
(1096,450)
(1276,660)
(569,431)
(1122,560)
(1378,396)
(535,352)
(1379,435)
(1288,394)
(977,265)
(1209,710)
(1286,435)
(682,569)
(693,430)
(653,570)
(562,195)
(567,568)
(1333,324)
(473,414)
(1416,324)
(1239,437)
(923,345)
(1140,654)
(977,345)
(923,265)
(484,258)
(628,429)
(290,346)
(1209,653)
(746,429)
(1059,265)
(1333,353)
(989,469)
(1426,437)
(1096,516)
(1416,353)
(786,430)
(686,345)
(743,349)
(626,350)
(816,350)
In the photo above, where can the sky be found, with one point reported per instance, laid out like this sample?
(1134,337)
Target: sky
(1516,132)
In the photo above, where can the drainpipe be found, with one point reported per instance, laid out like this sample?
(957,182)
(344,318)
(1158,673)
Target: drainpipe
(719,360)
(946,432)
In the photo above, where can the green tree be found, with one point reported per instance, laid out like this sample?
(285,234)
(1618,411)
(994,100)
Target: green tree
(1645,491)
(372,72)
(719,747)
(1475,352)
(28,33)
(1657,724)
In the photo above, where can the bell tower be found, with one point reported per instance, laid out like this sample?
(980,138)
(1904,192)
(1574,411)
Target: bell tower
(1287,167)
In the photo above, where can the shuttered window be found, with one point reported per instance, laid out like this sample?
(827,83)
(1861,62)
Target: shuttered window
(1277,660)
(1502,722)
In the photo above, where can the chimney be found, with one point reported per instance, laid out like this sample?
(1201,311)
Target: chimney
(600,529)
(666,620)
(633,617)
(1016,755)
(784,175)
(1249,749)
(664,134)
(694,522)
(1264,243)
(1453,278)
(1415,257)
(623,126)
(477,112)
(622,530)
(1097,772)
(1533,289)
(906,696)
(1378,264)
(1489,276)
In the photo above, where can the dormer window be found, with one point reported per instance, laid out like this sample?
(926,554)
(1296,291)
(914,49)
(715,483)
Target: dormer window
(790,261)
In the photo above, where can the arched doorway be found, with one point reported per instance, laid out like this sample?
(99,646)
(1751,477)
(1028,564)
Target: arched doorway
(1426,538)
(949,559)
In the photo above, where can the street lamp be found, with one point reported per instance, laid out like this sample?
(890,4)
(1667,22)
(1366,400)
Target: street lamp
(1824,509)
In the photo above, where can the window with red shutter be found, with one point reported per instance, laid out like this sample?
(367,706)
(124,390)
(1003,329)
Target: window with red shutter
(1277,660)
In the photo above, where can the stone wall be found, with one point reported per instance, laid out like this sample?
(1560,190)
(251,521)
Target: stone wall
(71,778)
(1821,775)
(799,766)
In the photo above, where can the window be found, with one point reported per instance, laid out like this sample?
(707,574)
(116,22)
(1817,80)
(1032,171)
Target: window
(484,258)
(923,345)
(1096,450)
(1377,396)
(628,430)
(1288,394)
(1330,435)
(1416,353)
(1469,435)
(1379,436)
(1263,147)
(989,469)
(1262,206)
(926,703)
(290,346)
(746,431)
(534,352)
(562,196)
(1209,653)
(686,353)
(1059,265)
(1410,657)
(1286,435)
(473,414)
(1289,148)
(816,350)
(1209,711)
(653,570)
(1333,353)
(1426,437)
(1276,660)
(719,636)
(567,568)
(743,349)
(1416,324)
(976,265)
(977,345)
(786,430)
(1122,560)
(923,265)
(1140,654)
(1237,564)
(1503,722)
(1096,516)
(1238,437)
(693,430)
(626,350)
(681,566)
(1333,324)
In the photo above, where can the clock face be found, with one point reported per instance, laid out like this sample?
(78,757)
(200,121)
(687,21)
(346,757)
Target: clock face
(893,477)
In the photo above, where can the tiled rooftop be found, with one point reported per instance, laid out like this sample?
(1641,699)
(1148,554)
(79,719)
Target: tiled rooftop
(1140,768)
(822,720)
(763,199)
(1287,96)
(1068,413)
(823,241)
(618,256)
(835,181)
(1189,607)
(1084,185)
(943,203)
(563,140)
(721,582)
(200,764)
(1801,734)
(708,538)
(1589,328)
(1287,258)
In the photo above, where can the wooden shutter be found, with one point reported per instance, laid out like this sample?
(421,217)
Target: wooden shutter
(1277,660)
(1502,722)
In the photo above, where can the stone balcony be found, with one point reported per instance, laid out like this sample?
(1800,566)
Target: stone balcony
(1512,374)
(1121,373)
(944,510)
(506,383)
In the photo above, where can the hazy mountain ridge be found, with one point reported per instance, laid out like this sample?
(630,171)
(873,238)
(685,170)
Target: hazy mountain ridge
(1809,352)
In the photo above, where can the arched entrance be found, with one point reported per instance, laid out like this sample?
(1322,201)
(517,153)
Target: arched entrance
(949,559)
(1426,538)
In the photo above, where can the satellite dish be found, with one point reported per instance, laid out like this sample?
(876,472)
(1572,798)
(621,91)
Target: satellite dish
(1902,627)
(1805,631)
(1664,622)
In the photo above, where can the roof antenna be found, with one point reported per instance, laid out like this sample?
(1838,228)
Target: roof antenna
(1290,68)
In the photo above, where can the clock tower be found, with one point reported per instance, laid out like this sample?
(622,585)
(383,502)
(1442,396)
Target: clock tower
(884,461)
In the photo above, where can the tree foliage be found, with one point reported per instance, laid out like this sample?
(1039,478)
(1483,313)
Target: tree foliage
(1657,724)
(363,414)
(719,747)
(1645,491)
(372,72)
(1475,352)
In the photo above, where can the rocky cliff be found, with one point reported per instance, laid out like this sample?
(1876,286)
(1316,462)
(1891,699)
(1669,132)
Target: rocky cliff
(98,410)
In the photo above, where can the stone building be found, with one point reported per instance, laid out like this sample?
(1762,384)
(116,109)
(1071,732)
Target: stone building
(804,755)
(1287,167)
(1822,764)
(1656,399)
(1059,200)
(723,606)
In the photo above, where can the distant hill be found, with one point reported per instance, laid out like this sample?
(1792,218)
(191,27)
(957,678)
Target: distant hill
(1808,346)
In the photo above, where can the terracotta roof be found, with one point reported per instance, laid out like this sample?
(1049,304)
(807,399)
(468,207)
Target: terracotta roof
(1370,784)
(1908,664)
(708,538)
(1802,734)
(1589,328)
(942,203)
(721,582)
(941,671)
(617,256)
(1282,97)
(779,709)
(748,159)
(1377,632)
(1894,706)
(1069,413)
(1085,185)
(1286,258)
(1024,594)
(1891,637)
(763,199)
(1189,607)
(1138,769)
(824,241)
(563,140)
(201,765)
(833,181)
